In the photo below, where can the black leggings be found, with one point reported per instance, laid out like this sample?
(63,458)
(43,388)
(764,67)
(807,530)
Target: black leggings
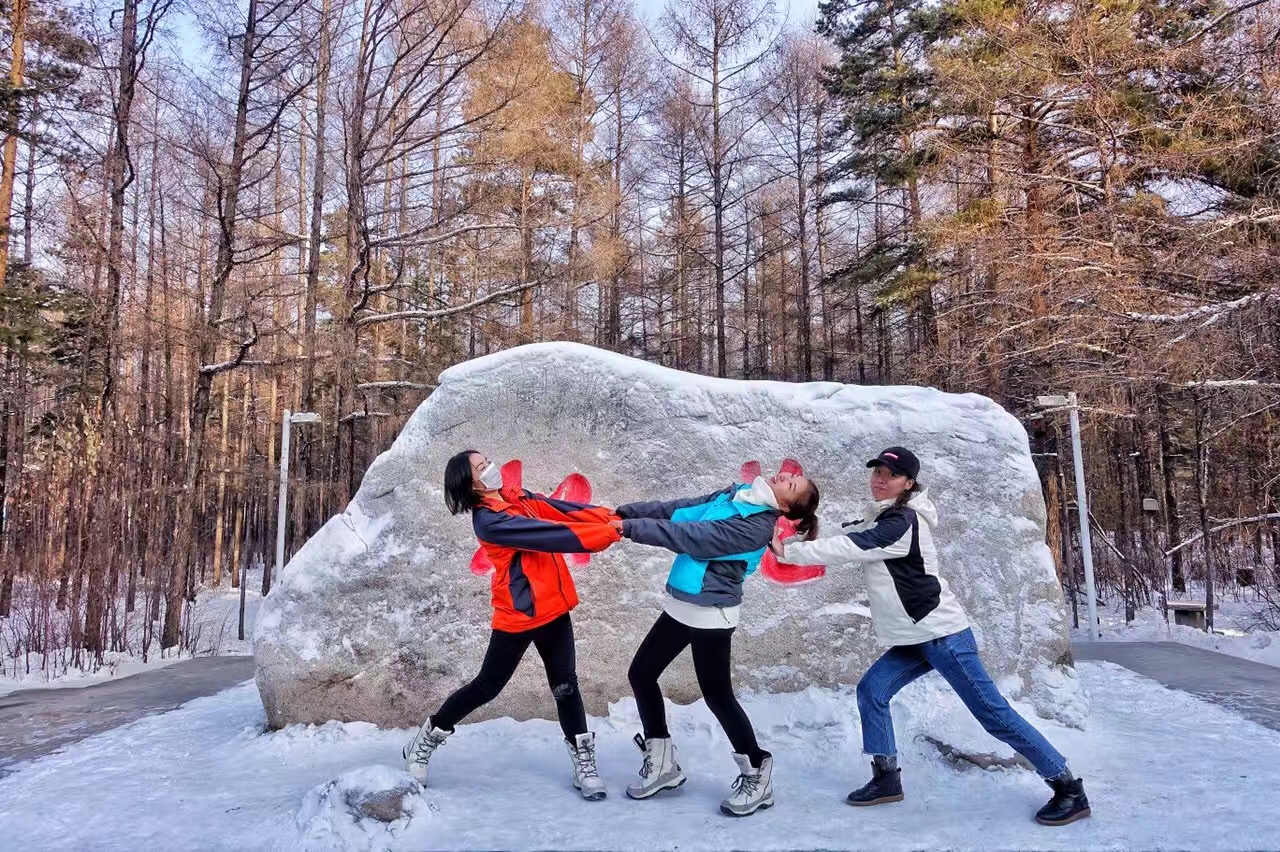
(711,649)
(554,642)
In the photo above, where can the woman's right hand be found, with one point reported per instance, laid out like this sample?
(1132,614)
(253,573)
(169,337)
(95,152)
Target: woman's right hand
(617,525)
(776,545)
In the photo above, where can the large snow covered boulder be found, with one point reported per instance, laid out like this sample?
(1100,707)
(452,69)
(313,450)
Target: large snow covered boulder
(378,618)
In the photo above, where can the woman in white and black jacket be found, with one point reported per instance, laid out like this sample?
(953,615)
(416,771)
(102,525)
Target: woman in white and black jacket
(916,615)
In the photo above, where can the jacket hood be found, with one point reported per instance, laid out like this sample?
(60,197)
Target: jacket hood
(921,503)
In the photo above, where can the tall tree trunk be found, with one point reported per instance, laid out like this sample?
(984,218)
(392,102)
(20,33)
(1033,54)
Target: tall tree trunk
(348,414)
(12,479)
(613,326)
(120,175)
(144,495)
(1124,527)
(14,410)
(244,483)
(718,205)
(749,260)
(1202,505)
(17,79)
(820,238)
(577,147)
(526,257)
(220,518)
(1168,464)
(306,450)
(802,217)
(207,345)
(28,197)
(1064,524)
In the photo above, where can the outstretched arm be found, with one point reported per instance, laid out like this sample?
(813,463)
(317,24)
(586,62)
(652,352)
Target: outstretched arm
(663,510)
(562,509)
(890,538)
(543,536)
(704,539)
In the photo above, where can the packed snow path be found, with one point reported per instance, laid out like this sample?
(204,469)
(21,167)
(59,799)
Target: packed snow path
(1251,689)
(1164,769)
(35,722)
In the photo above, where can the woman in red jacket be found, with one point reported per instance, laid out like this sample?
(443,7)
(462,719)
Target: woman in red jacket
(523,535)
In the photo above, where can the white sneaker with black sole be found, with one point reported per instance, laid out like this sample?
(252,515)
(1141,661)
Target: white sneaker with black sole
(417,754)
(660,770)
(582,751)
(753,790)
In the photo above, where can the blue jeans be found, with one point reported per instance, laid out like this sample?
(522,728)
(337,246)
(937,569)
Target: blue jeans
(955,657)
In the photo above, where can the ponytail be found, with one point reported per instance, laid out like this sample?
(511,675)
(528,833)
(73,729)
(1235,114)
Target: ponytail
(905,497)
(805,513)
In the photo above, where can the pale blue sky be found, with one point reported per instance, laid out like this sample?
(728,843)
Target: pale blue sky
(189,44)
(799,11)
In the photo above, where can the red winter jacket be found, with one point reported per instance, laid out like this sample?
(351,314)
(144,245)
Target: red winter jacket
(524,540)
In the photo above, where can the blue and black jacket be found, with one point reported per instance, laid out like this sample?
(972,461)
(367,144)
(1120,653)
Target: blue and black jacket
(720,541)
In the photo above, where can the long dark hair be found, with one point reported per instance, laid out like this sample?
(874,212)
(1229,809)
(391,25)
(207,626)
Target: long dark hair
(459,485)
(805,512)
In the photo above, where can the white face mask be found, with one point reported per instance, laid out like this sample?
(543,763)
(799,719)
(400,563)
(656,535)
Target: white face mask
(491,479)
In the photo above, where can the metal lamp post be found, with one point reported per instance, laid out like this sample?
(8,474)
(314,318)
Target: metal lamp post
(1072,405)
(285,428)
(289,419)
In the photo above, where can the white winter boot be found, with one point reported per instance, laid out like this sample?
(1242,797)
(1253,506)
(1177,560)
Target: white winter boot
(582,751)
(660,770)
(753,790)
(417,754)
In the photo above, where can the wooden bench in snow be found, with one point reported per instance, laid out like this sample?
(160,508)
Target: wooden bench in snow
(1187,613)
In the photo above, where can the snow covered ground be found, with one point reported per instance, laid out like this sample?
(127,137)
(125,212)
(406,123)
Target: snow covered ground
(1164,770)
(213,627)
(1232,636)
(115,665)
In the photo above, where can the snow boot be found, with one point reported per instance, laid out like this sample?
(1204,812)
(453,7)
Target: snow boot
(1069,803)
(582,751)
(660,770)
(885,785)
(417,754)
(753,790)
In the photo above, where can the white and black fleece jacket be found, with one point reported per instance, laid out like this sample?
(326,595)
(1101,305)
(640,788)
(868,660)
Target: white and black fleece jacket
(909,602)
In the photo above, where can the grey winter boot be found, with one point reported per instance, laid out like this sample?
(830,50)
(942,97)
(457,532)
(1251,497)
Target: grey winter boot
(660,770)
(417,754)
(582,751)
(753,791)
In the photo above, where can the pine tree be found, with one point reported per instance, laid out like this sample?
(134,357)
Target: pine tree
(884,87)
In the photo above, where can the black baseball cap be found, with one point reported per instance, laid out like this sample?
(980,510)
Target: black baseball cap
(900,460)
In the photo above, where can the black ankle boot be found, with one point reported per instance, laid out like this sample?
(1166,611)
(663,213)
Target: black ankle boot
(885,785)
(1069,803)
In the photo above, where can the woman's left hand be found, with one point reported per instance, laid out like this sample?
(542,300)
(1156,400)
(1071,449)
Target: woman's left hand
(617,525)
(776,545)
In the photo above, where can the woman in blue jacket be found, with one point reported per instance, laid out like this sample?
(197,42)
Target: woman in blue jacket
(720,539)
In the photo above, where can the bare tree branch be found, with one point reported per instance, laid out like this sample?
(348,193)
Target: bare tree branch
(439,313)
